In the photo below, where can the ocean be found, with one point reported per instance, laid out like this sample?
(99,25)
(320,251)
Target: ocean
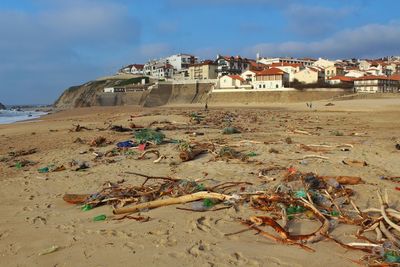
(10,116)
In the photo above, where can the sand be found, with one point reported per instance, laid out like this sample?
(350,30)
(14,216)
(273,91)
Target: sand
(34,216)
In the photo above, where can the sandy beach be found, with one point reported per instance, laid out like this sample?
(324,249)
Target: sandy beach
(34,217)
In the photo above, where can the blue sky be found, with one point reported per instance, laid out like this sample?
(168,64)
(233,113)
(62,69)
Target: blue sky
(49,45)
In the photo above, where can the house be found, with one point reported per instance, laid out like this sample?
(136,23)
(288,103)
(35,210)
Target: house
(301,61)
(354,73)
(289,68)
(334,70)
(108,90)
(256,66)
(307,75)
(375,84)
(160,70)
(229,65)
(272,78)
(181,61)
(231,82)
(249,75)
(396,78)
(340,80)
(323,63)
(132,69)
(204,70)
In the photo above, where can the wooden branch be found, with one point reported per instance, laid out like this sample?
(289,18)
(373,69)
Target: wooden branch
(172,201)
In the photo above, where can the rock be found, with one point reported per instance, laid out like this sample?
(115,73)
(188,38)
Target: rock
(2,106)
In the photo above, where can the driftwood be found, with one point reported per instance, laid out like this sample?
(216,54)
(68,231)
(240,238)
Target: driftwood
(190,154)
(172,201)
(344,180)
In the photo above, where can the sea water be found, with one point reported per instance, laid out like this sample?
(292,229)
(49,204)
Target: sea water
(10,116)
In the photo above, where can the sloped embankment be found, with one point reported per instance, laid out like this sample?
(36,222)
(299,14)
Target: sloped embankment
(175,94)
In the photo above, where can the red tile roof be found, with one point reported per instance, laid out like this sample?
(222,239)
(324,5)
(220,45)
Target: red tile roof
(372,77)
(283,64)
(271,71)
(237,77)
(395,77)
(342,78)
(138,66)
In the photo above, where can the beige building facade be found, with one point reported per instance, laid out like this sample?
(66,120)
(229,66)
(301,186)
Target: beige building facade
(306,76)
(202,71)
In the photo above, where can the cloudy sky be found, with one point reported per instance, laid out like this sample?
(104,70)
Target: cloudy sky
(49,45)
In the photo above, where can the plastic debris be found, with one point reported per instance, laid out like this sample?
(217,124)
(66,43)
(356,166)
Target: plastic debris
(230,130)
(51,249)
(149,135)
(100,217)
(126,144)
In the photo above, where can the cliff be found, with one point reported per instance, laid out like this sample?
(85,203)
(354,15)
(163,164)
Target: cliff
(91,94)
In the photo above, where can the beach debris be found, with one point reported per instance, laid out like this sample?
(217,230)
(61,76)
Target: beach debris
(155,152)
(196,117)
(337,133)
(397,146)
(301,132)
(79,140)
(288,140)
(120,128)
(78,128)
(230,130)
(49,250)
(126,144)
(99,141)
(19,164)
(76,198)
(77,165)
(273,150)
(149,135)
(354,163)
(15,154)
(230,153)
(98,218)
(191,154)
(172,201)
(314,157)
(329,104)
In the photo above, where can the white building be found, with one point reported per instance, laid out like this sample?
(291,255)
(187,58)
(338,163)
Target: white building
(133,69)
(230,82)
(249,75)
(289,68)
(375,84)
(302,61)
(354,73)
(181,61)
(324,63)
(270,79)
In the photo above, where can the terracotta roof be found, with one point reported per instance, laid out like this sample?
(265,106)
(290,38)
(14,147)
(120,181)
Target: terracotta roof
(342,78)
(205,62)
(237,77)
(138,66)
(372,77)
(271,71)
(395,77)
(283,64)
(257,66)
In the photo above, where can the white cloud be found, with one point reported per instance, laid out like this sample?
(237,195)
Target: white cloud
(372,40)
(69,41)
(314,21)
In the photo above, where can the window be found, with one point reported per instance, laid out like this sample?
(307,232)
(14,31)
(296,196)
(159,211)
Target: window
(264,86)
(276,86)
